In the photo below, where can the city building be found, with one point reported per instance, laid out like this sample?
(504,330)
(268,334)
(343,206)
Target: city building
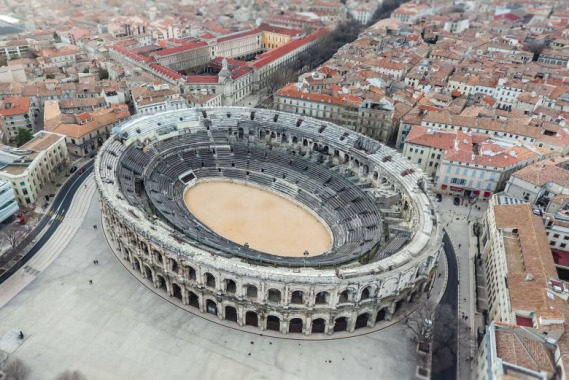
(519,352)
(522,283)
(8,202)
(15,113)
(32,167)
(155,98)
(84,132)
(467,164)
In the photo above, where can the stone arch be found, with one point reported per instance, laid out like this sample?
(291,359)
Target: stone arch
(193,299)
(161,283)
(148,273)
(211,306)
(136,264)
(173,264)
(190,273)
(274,296)
(230,313)
(375,175)
(344,296)
(318,326)
(251,318)
(273,323)
(340,324)
(362,320)
(209,280)
(251,292)
(366,293)
(297,297)
(322,298)
(381,314)
(230,286)
(295,325)
(158,256)
(177,291)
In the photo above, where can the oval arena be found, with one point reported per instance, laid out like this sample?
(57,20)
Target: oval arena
(362,237)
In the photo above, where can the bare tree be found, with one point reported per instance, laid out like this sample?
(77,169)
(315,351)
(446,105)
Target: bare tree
(69,375)
(421,322)
(279,78)
(16,369)
(13,235)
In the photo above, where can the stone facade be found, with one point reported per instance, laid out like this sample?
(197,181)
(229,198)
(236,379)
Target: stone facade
(288,299)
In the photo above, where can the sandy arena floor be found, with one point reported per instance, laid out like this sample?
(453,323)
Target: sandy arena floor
(267,222)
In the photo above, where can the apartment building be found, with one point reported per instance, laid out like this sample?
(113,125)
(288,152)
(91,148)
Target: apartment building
(8,203)
(15,113)
(33,166)
(519,352)
(522,283)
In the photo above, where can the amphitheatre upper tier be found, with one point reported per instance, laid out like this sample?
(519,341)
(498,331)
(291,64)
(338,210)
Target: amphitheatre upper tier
(377,207)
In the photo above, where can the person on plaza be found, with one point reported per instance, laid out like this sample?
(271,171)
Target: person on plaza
(21,335)
(90,282)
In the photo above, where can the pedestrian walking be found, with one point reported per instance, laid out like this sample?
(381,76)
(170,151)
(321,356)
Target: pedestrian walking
(94,226)
(460,245)
(21,335)
(95,262)
(90,282)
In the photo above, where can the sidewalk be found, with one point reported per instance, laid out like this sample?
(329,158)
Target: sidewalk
(49,252)
(458,221)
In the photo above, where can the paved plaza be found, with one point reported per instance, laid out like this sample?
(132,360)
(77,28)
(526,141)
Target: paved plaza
(115,328)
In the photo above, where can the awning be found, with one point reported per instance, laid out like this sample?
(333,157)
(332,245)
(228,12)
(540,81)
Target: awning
(476,192)
(524,321)
(454,188)
(487,194)
(444,187)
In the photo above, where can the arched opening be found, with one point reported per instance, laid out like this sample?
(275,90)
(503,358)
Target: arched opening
(251,319)
(341,324)
(273,323)
(230,313)
(294,139)
(344,297)
(158,257)
(375,176)
(381,315)
(251,292)
(191,273)
(230,286)
(398,305)
(161,283)
(274,295)
(318,326)
(322,298)
(148,273)
(365,294)
(211,307)
(193,300)
(209,280)
(296,297)
(361,321)
(295,325)
(137,265)
(173,266)
(177,291)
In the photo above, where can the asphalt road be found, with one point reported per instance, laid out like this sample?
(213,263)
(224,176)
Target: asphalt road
(445,349)
(60,205)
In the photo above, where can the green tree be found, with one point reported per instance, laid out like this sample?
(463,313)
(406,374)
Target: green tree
(23,136)
(103,74)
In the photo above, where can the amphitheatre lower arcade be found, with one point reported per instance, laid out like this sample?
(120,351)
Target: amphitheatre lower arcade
(268,219)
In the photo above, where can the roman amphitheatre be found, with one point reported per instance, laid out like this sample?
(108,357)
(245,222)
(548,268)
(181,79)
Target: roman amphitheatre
(268,220)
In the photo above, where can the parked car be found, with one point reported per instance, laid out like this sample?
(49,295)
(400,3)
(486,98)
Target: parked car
(82,170)
(456,201)
(73,169)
